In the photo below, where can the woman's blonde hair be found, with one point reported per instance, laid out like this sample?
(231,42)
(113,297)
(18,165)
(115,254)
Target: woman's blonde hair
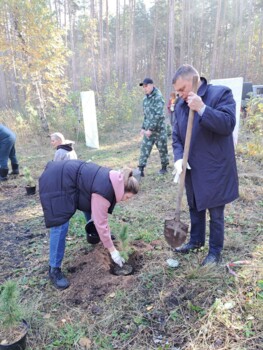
(130,182)
(58,136)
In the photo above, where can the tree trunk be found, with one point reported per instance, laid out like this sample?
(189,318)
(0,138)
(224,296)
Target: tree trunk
(41,107)
(72,45)
(201,41)
(247,42)
(108,59)
(190,5)
(101,47)
(92,9)
(123,58)
(131,44)
(260,41)
(234,37)
(182,32)
(222,46)
(215,43)
(117,40)
(3,95)
(170,49)
(153,53)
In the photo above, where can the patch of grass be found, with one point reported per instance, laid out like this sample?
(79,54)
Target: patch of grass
(77,225)
(196,308)
(260,289)
(207,273)
(252,149)
(174,315)
(103,341)
(146,236)
(68,335)
(249,329)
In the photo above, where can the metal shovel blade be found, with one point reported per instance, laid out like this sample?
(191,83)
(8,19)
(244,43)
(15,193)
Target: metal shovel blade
(175,232)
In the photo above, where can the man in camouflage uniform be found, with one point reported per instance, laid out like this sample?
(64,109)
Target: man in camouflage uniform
(153,127)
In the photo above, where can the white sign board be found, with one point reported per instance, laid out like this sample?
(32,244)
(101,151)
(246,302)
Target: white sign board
(236,85)
(90,118)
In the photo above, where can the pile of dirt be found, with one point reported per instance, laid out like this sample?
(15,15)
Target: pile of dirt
(91,278)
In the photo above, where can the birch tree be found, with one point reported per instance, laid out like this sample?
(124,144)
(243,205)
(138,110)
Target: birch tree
(33,49)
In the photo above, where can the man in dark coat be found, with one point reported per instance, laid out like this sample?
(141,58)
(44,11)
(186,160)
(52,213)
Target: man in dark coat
(211,178)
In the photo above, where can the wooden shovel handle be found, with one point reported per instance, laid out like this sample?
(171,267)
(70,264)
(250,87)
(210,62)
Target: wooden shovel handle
(186,154)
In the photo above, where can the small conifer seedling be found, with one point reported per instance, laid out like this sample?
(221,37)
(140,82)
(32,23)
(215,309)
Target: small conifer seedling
(126,250)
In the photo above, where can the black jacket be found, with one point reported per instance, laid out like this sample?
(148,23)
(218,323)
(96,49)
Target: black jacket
(66,186)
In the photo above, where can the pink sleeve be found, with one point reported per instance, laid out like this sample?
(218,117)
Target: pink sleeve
(99,210)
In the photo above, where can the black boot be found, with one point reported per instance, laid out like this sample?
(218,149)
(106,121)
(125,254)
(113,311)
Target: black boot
(211,259)
(15,169)
(3,174)
(188,247)
(141,168)
(57,278)
(163,170)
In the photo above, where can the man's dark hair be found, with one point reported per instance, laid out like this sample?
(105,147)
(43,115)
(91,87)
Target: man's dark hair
(186,71)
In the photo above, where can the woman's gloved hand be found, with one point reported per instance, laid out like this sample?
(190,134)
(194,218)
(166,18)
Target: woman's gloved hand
(178,168)
(116,257)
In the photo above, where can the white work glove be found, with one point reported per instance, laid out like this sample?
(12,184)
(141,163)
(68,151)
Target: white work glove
(178,168)
(116,257)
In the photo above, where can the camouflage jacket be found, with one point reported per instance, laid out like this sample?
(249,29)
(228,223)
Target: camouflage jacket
(153,109)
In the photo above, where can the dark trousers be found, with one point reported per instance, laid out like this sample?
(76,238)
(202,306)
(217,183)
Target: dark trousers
(198,224)
(198,221)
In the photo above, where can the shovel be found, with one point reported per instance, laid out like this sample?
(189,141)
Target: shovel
(175,231)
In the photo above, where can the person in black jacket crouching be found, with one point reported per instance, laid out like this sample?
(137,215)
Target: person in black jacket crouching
(66,186)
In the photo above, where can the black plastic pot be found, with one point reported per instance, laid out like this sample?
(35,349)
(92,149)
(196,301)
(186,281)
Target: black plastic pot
(19,344)
(125,270)
(30,190)
(92,233)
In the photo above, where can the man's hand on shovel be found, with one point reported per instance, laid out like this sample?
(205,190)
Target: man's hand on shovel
(178,168)
(195,102)
(175,231)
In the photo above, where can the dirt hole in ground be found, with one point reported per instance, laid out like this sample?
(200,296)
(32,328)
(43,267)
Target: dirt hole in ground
(91,278)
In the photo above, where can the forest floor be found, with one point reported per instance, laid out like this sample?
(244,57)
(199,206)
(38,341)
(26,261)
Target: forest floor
(158,307)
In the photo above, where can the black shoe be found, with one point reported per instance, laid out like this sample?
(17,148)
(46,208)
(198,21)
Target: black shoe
(188,247)
(3,174)
(211,259)
(15,169)
(163,170)
(141,169)
(57,278)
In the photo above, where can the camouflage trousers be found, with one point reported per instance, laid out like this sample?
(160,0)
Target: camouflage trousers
(160,140)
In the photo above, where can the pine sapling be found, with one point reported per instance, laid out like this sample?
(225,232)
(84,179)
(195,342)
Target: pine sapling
(126,250)
(10,311)
(28,178)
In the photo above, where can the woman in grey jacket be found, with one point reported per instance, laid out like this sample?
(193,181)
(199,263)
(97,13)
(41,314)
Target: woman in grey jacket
(64,148)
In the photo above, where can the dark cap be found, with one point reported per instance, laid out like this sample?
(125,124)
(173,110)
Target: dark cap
(146,82)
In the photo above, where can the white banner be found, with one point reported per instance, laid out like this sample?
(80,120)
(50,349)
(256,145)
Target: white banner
(90,118)
(236,85)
